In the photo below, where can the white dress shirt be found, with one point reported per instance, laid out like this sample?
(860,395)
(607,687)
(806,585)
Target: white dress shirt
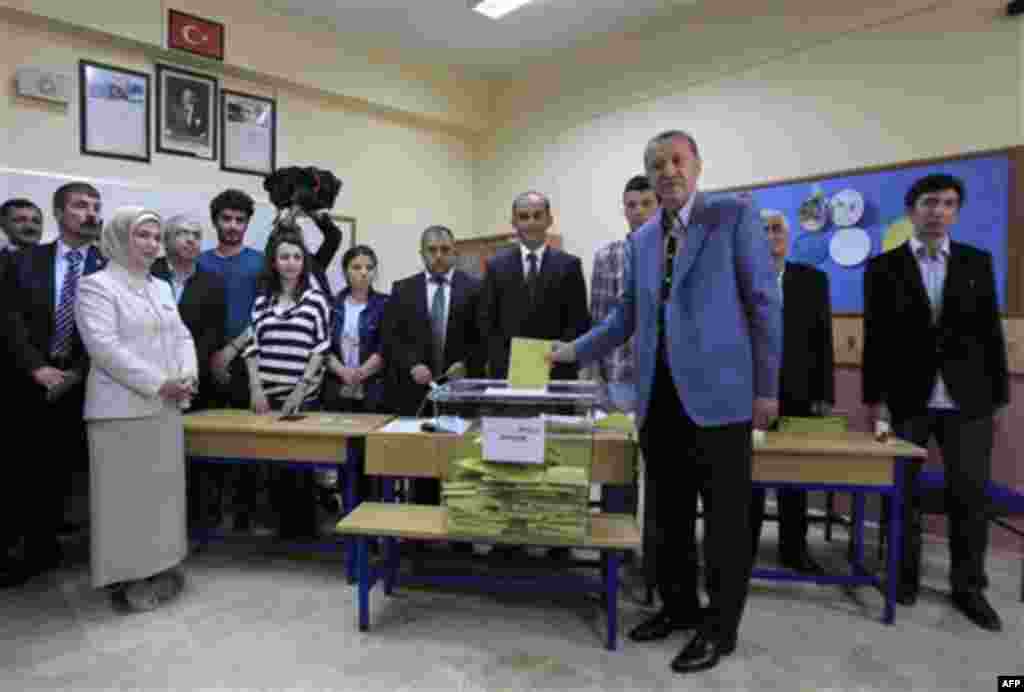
(432,289)
(538,253)
(61,268)
(933,275)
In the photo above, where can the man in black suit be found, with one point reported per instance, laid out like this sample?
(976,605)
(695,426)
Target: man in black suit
(806,386)
(532,290)
(430,324)
(935,365)
(50,364)
(202,303)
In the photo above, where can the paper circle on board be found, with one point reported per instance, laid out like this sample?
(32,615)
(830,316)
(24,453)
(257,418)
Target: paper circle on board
(847,207)
(898,232)
(850,246)
(810,248)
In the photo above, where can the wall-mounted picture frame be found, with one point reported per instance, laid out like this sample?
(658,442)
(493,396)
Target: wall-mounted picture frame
(186,107)
(113,112)
(248,133)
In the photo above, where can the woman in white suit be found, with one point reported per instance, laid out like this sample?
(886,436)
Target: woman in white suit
(143,374)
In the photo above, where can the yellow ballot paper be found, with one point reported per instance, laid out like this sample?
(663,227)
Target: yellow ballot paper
(527,368)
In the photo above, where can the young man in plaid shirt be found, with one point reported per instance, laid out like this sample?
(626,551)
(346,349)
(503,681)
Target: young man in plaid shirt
(616,371)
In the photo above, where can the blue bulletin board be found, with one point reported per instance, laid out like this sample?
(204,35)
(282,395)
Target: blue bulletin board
(983,223)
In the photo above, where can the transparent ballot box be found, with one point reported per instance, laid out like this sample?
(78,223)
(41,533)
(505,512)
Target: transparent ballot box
(523,470)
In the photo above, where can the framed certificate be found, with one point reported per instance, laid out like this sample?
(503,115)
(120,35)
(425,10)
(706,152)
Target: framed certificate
(249,127)
(114,112)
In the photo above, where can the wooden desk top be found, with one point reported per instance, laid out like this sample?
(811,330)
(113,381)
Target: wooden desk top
(424,522)
(318,424)
(852,444)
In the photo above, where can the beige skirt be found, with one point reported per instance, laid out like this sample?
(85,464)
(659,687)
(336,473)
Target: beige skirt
(137,496)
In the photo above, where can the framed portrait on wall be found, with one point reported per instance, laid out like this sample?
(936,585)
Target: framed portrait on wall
(113,112)
(186,107)
(248,133)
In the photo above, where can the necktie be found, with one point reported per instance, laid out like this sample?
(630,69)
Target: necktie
(66,308)
(438,323)
(932,280)
(669,222)
(531,275)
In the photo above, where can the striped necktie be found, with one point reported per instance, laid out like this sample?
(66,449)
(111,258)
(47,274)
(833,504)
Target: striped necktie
(65,324)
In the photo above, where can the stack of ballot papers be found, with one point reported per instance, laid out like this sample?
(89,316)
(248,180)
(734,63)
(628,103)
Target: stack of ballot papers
(542,501)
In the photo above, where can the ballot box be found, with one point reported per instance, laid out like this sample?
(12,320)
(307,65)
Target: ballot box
(523,469)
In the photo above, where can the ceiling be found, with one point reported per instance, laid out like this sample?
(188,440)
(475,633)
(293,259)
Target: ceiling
(447,32)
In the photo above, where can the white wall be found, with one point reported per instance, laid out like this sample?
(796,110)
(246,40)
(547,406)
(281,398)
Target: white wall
(931,84)
(401,172)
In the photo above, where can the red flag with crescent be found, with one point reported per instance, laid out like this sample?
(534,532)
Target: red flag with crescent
(195,35)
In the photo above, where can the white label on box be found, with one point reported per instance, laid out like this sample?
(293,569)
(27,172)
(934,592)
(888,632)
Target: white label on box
(514,440)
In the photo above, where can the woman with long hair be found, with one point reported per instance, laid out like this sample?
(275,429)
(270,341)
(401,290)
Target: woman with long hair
(290,337)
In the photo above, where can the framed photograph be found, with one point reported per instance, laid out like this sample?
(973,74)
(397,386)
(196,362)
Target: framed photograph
(113,112)
(248,133)
(186,108)
(314,238)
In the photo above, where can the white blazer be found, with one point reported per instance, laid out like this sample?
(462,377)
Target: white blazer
(136,341)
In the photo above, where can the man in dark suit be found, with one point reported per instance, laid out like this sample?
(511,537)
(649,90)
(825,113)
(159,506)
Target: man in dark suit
(806,386)
(935,365)
(50,365)
(430,324)
(702,301)
(532,290)
(202,303)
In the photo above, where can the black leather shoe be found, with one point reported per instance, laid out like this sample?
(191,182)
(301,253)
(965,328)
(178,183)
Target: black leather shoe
(906,595)
(802,562)
(702,653)
(13,574)
(559,553)
(976,607)
(662,625)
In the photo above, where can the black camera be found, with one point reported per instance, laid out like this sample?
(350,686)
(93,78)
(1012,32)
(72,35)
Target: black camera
(308,188)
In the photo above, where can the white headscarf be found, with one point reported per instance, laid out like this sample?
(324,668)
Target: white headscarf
(117,233)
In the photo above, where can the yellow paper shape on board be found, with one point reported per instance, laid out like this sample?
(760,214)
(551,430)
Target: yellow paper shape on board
(527,368)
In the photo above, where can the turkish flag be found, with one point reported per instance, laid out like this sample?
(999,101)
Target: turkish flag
(195,35)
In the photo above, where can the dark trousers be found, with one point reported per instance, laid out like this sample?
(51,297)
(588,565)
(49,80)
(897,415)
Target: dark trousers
(791,506)
(293,493)
(683,460)
(966,445)
(60,451)
(368,488)
(792,509)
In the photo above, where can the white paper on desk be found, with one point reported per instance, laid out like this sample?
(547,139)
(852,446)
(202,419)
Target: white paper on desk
(404,425)
(515,391)
(452,424)
(514,440)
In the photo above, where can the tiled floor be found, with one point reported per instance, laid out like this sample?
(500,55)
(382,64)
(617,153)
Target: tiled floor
(270,620)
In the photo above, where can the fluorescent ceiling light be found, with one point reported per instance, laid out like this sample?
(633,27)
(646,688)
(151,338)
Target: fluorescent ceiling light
(496,9)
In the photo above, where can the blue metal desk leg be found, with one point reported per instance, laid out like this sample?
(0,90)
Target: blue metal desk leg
(363,558)
(350,498)
(390,564)
(895,540)
(858,532)
(611,595)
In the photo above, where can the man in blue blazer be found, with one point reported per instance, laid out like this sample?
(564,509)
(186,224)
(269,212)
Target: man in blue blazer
(701,297)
